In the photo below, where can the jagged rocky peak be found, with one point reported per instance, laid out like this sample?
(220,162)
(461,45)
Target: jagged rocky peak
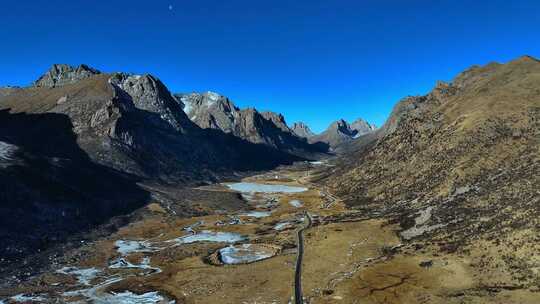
(340,132)
(209,110)
(61,74)
(361,126)
(148,93)
(196,102)
(278,119)
(341,126)
(302,130)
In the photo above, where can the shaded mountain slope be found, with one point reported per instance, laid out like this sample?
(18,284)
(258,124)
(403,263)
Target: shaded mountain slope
(50,188)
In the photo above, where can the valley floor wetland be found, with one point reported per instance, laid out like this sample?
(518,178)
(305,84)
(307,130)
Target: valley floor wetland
(314,250)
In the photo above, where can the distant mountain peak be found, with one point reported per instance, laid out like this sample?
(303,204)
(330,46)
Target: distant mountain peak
(61,74)
(301,129)
(340,131)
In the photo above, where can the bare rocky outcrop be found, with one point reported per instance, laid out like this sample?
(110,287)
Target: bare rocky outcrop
(61,74)
(301,129)
(362,127)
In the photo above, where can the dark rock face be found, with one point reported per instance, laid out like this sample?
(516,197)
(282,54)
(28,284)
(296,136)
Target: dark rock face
(302,130)
(212,111)
(61,74)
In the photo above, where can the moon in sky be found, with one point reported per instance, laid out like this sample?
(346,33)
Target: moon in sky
(170,7)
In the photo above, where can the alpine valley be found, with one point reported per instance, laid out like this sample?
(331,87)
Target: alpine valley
(113,189)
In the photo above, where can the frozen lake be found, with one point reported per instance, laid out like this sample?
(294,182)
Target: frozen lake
(84,275)
(296,203)
(210,236)
(126,247)
(264,188)
(122,263)
(245,253)
(257,214)
(283,226)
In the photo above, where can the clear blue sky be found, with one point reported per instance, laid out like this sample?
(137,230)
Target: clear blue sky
(314,61)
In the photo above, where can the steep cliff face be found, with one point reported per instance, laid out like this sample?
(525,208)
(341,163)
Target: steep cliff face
(212,111)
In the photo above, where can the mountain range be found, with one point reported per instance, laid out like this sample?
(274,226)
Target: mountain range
(127,128)
(211,110)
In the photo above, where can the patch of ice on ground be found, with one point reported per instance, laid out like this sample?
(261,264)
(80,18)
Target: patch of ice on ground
(296,203)
(128,297)
(256,214)
(84,275)
(245,253)
(209,236)
(233,220)
(126,247)
(92,292)
(122,263)
(190,228)
(283,226)
(25,299)
(265,188)
(316,162)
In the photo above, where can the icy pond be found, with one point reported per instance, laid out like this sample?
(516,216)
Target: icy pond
(283,226)
(257,214)
(22,298)
(84,275)
(265,188)
(128,297)
(296,203)
(126,247)
(210,236)
(245,253)
(122,263)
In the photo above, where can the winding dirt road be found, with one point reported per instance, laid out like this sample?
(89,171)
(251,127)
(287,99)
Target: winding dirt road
(298,297)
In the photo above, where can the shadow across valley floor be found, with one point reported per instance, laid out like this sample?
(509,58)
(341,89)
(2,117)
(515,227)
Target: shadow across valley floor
(49,188)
